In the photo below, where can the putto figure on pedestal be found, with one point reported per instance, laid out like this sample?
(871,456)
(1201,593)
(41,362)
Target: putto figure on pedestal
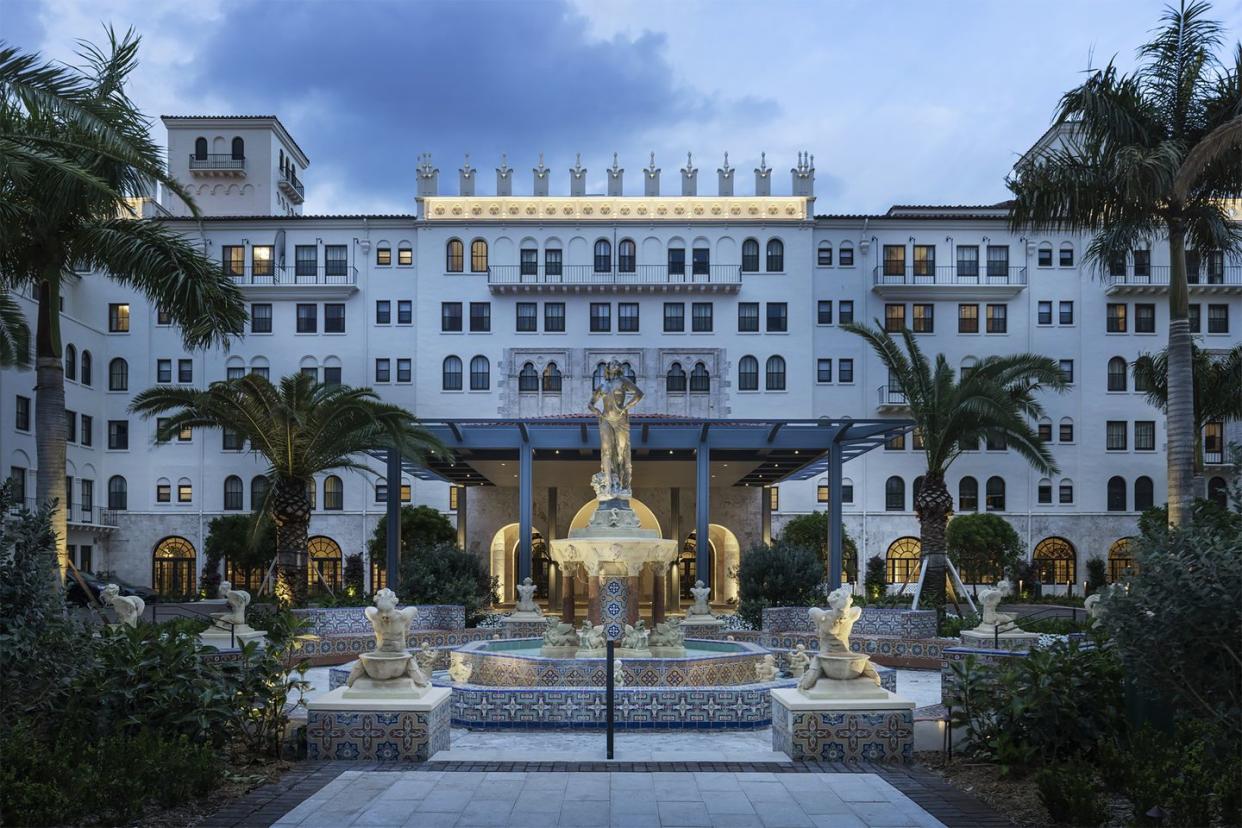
(391,669)
(700,606)
(128,608)
(526,610)
(836,670)
(230,628)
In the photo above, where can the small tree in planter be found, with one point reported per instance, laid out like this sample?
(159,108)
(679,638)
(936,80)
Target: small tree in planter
(1097,574)
(354,575)
(780,575)
(444,574)
(982,545)
(877,581)
(811,531)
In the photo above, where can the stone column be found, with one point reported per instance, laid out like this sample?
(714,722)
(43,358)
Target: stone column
(614,599)
(634,593)
(568,579)
(593,599)
(657,595)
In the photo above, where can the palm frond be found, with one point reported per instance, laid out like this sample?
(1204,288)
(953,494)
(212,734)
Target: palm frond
(14,334)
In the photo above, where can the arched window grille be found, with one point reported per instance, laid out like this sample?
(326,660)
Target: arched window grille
(478,256)
(603,256)
(1056,560)
(775,380)
(748,374)
(903,560)
(700,381)
(480,374)
(454,256)
(333,493)
(675,380)
(450,374)
(528,378)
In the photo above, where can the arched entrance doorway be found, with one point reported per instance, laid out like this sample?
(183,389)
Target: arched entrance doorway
(172,568)
(324,563)
(504,561)
(1120,560)
(1056,560)
(688,562)
(539,563)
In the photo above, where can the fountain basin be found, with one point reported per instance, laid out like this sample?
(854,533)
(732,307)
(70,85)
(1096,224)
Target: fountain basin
(843,667)
(385,666)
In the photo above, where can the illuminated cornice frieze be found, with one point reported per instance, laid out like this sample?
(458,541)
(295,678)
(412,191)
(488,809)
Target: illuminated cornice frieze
(607,208)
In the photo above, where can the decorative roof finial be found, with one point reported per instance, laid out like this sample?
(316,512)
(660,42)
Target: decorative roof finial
(578,163)
(726,169)
(652,165)
(466,168)
(504,164)
(763,161)
(615,165)
(541,170)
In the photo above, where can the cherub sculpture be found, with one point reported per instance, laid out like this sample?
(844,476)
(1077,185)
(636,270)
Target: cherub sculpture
(700,606)
(128,608)
(798,661)
(766,670)
(526,598)
(834,626)
(238,600)
(391,626)
(636,637)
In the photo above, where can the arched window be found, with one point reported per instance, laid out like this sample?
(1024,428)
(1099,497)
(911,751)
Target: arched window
(776,256)
(480,374)
(845,254)
(895,494)
(1120,560)
(450,374)
(603,256)
(748,374)
(1067,255)
(528,378)
(1066,434)
(903,559)
(968,495)
(239,149)
(84,369)
(233,493)
(1065,492)
(551,379)
(1144,494)
(454,256)
(915,488)
(1117,371)
(1116,494)
(259,487)
(1218,492)
(333,493)
(775,379)
(71,362)
(750,256)
(1045,254)
(173,567)
(1056,560)
(118,493)
(597,377)
(823,255)
(118,375)
(478,256)
(200,148)
(675,379)
(995,492)
(700,382)
(325,562)
(627,256)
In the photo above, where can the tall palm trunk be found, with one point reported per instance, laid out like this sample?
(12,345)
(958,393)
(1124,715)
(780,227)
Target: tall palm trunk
(1180,411)
(50,428)
(933,506)
(291,511)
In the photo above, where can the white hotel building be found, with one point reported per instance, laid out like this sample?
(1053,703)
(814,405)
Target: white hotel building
(723,304)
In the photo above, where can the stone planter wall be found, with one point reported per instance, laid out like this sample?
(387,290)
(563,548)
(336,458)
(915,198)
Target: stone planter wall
(874,621)
(345,620)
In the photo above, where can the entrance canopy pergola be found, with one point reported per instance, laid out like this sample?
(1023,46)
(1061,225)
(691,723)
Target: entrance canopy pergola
(763,452)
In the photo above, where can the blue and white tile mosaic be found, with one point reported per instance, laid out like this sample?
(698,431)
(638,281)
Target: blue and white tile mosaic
(893,621)
(614,602)
(843,736)
(406,736)
(337,620)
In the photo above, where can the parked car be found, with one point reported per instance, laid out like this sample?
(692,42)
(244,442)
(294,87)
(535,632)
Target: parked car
(74,594)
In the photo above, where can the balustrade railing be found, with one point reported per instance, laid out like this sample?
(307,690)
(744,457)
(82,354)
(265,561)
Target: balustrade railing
(217,161)
(948,275)
(292,275)
(589,275)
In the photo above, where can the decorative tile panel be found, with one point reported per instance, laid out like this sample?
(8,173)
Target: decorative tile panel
(337,620)
(843,736)
(614,602)
(406,736)
(893,621)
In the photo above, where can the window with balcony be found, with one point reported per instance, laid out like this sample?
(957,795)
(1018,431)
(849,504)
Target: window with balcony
(233,260)
(200,148)
(677,261)
(968,261)
(701,262)
(552,260)
(627,256)
(1142,264)
(998,261)
(748,374)
(701,317)
(262,260)
(529,262)
(335,262)
(925,261)
(895,260)
(603,256)
(305,260)
(480,317)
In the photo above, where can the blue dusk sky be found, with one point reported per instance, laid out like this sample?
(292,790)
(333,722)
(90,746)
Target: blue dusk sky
(903,101)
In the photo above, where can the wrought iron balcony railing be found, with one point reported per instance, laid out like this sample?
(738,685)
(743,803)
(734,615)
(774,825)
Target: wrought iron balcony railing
(217,161)
(292,275)
(890,396)
(81,515)
(591,276)
(1159,275)
(291,184)
(948,275)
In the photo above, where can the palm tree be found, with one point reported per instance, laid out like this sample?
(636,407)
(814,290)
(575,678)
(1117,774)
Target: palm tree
(1217,384)
(72,148)
(1154,153)
(994,400)
(302,428)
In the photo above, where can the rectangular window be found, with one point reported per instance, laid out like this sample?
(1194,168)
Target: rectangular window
(88,427)
(87,503)
(701,262)
(334,318)
(162,317)
(185,371)
(480,317)
(896,443)
(383,312)
(263,260)
(553,317)
(185,493)
(601,317)
(406,493)
(308,318)
(1067,257)
(335,263)
(1218,319)
(1195,318)
(405,370)
(21,419)
(824,312)
(1145,435)
(847,256)
(845,311)
(118,435)
(895,260)
(1045,432)
(1115,318)
(675,317)
(1067,370)
(778,317)
(118,317)
(823,370)
(1045,313)
(383,370)
(845,370)
(261,318)
(1045,257)
(231,440)
(383,256)
(748,317)
(234,372)
(305,261)
(1115,435)
(405,256)
(998,262)
(996,442)
(1144,318)
(824,258)
(450,316)
(1066,432)
(71,426)
(924,318)
(527,317)
(528,262)
(552,261)
(925,262)
(185,434)
(968,262)
(163,370)
(405,312)
(968,319)
(163,493)
(332,375)
(1067,313)
(233,260)
(701,317)
(627,317)
(677,261)
(998,319)
(774,499)
(894,317)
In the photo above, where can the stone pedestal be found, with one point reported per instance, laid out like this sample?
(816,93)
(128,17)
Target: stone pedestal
(386,730)
(842,730)
(221,639)
(524,624)
(1013,640)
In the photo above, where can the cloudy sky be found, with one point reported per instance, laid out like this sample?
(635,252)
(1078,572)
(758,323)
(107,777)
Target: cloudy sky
(901,101)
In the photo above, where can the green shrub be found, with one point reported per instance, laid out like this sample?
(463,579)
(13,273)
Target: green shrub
(876,584)
(1191,774)
(951,626)
(421,526)
(444,574)
(780,575)
(982,544)
(811,530)
(354,572)
(1097,574)
(1071,794)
